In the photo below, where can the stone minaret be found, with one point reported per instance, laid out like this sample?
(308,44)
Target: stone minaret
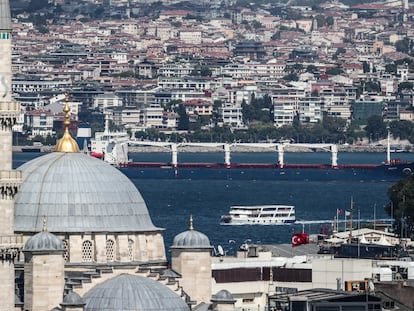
(9,179)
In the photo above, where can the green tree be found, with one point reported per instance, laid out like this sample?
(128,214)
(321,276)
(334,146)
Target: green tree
(257,25)
(365,66)
(276,36)
(291,77)
(372,86)
(403,45)
(391,68)
(401,206)
(376,128)
(311,69)
(405,86)
(334,71)
(183,119)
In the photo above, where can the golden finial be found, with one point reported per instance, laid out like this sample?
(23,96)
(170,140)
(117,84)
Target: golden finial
(44,228)
(67,143)
(191,222)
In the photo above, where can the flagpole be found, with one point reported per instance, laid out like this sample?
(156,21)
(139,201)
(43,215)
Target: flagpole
(345,222)
(350,221)
(337,217)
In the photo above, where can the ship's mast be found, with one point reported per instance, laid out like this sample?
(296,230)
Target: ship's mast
(388,147)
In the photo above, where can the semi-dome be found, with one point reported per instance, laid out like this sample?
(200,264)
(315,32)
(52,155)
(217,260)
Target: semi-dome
(133,292)
(78,193)
(43,241)
(191,239)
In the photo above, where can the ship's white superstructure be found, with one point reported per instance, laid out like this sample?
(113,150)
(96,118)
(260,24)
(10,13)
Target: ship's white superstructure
(260,215)
(110,146)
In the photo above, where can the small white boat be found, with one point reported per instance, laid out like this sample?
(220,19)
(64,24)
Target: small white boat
(260,215)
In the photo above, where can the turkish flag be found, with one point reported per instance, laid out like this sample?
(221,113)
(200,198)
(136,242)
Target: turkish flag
(299,239)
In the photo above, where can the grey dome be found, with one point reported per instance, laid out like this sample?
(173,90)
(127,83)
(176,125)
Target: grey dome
(72,299)
(223,296)
(133,292)
(78,193)
(191,239)
(43,241)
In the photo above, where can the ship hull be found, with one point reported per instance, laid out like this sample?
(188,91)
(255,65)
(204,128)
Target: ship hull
(197,171)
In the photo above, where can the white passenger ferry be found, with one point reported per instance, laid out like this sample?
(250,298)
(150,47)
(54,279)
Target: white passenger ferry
(260,215)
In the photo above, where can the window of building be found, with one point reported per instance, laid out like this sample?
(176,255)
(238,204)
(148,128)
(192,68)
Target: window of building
(87,251)
(110,250)
(65,250)
(130,250)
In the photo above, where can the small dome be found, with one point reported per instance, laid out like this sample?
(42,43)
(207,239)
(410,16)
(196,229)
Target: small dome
(191,239)
(133,292)
(43,241)
(72,299)
(223,296)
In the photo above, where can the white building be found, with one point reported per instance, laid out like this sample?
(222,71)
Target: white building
(231,115)
(40,122)
(103,101)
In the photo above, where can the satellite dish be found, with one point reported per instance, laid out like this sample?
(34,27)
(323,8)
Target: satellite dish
(220,250)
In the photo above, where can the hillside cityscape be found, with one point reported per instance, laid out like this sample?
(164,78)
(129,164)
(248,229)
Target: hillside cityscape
(216,71)
(86,227)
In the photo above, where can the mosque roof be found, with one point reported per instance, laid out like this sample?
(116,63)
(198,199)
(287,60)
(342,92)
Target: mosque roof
(43,241)
(78,193)
(191,239)
(133,292)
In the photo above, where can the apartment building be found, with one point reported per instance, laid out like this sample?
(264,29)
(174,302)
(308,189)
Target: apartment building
(40,122)
(103,101)
(231,115)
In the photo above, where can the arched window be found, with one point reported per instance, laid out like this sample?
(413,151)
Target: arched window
(87,251)
(130,250)
(110,250)
(65,250)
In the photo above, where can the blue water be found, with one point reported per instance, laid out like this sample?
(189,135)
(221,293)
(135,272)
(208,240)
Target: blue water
(171,202)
